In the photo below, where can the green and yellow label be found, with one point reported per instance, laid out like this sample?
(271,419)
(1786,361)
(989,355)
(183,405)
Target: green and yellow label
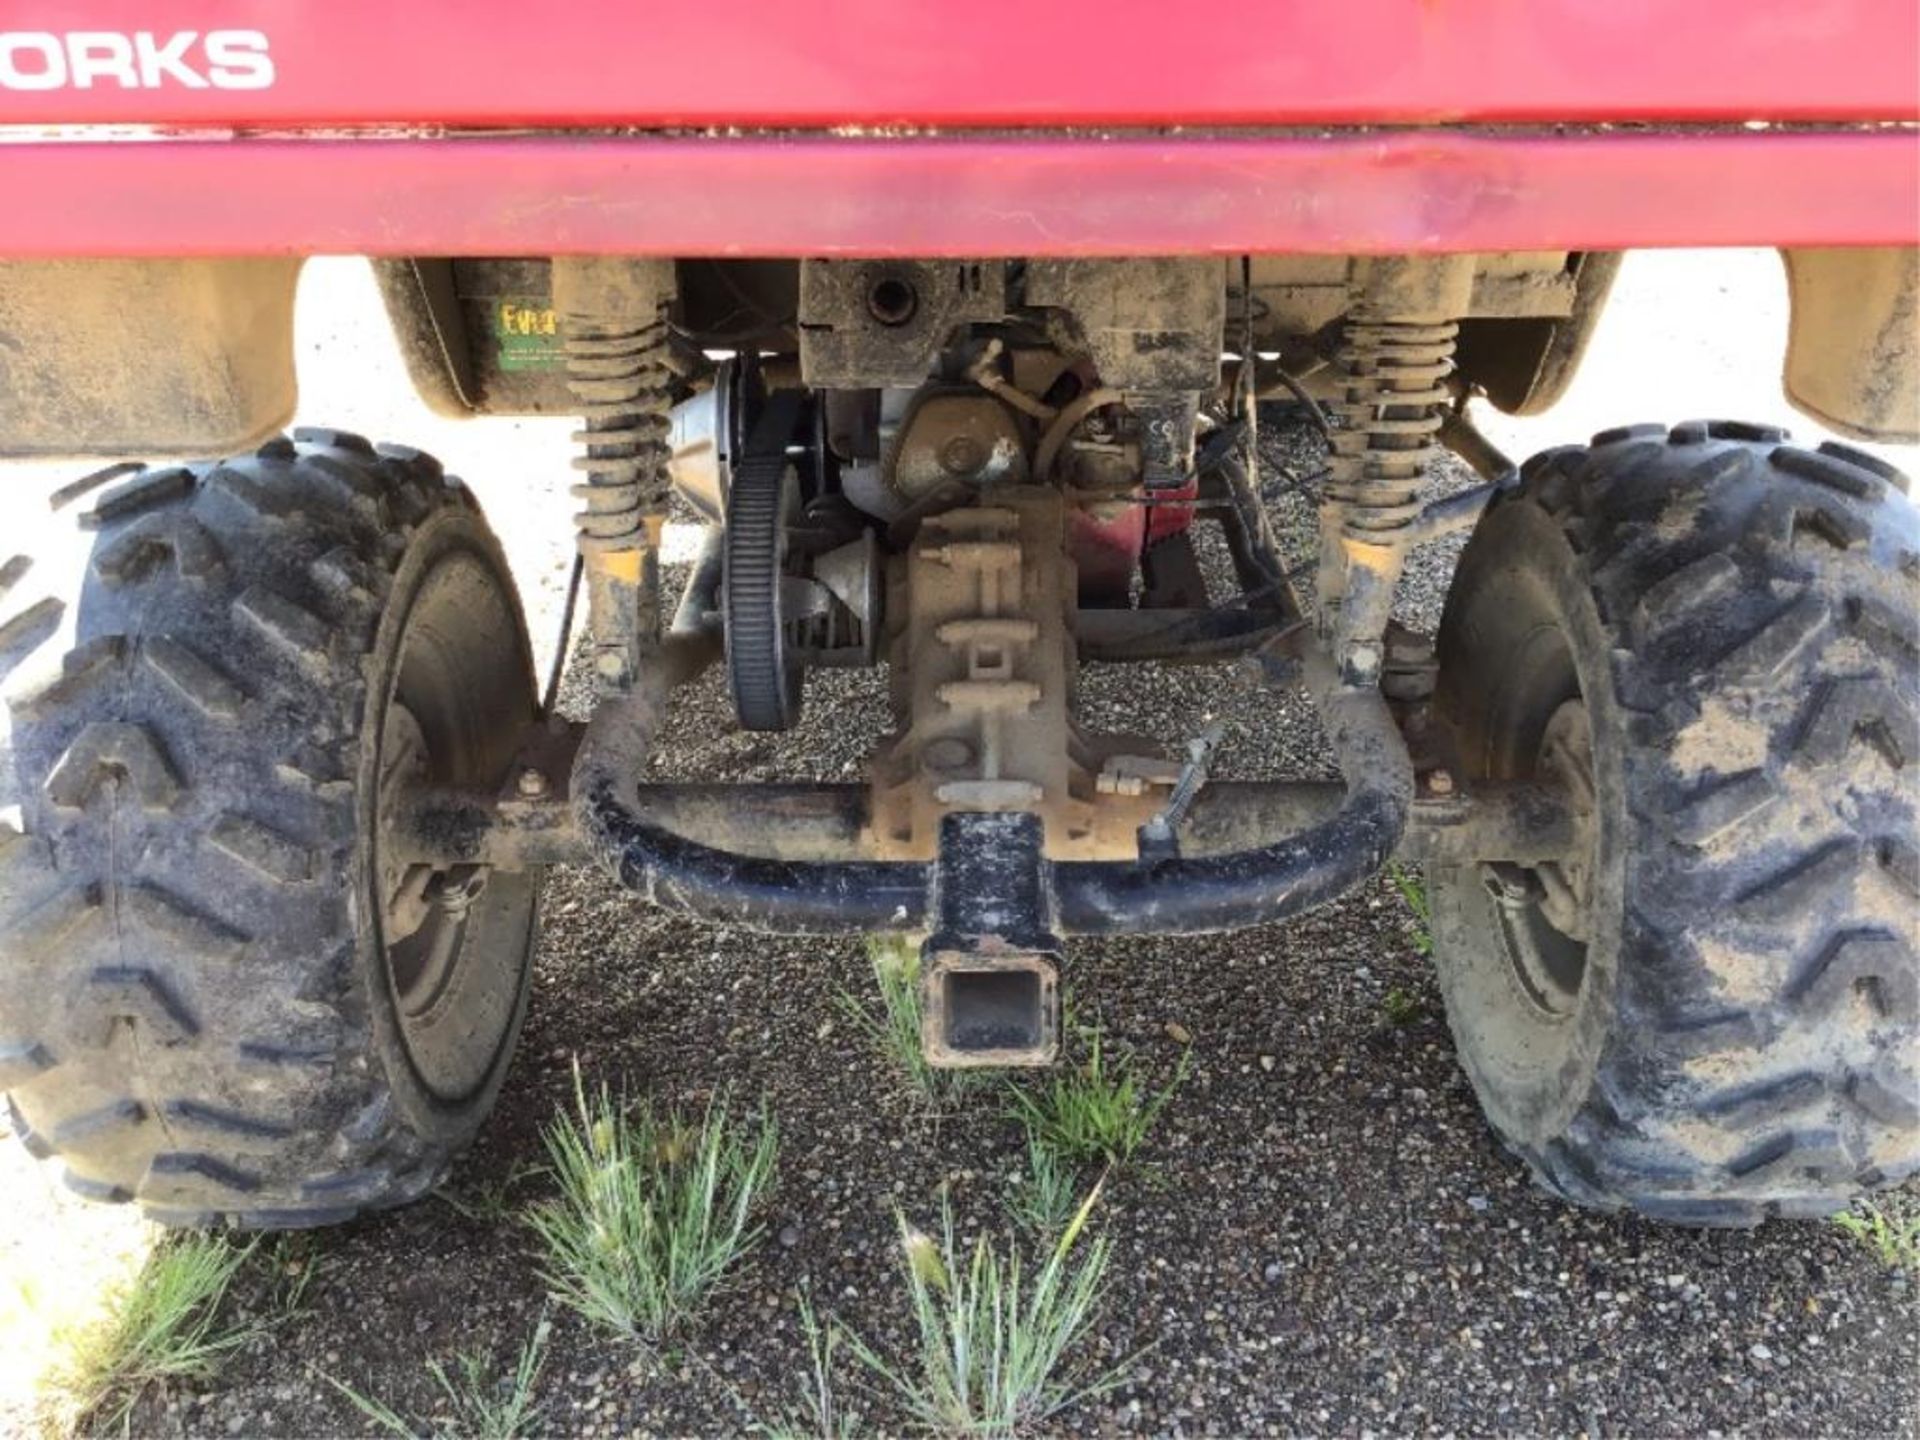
(528,334)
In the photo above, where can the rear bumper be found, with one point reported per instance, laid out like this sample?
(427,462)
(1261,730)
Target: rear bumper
(1019,193)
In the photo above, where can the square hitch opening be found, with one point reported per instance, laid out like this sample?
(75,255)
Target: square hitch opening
(991,1009)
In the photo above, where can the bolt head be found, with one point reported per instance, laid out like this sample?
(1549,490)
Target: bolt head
(1440,782)
(532,783)
(962,455)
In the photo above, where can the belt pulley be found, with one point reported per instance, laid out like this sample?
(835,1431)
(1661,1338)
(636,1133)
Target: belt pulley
(766,671)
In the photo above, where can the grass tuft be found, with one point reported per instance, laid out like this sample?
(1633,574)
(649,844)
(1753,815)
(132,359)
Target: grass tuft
(1044,1199)
(1400,1008)
(996,1347)
(1891,1236)
(818,1414)
(489,1199)
(653,1210)
(1093,1111)
(893,1026)
(1413,890)
(484,1406)
(165,1326)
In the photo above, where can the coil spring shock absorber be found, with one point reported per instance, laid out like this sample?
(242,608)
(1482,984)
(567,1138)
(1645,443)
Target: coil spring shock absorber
(1394,372)
(613,313)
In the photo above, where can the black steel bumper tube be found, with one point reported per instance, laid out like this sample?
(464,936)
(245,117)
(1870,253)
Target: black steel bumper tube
(712,884)
(811,823)
(1254,887)
(1174,897)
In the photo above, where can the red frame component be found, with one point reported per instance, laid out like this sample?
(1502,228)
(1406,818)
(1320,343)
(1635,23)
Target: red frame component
(480,63)
(1382,192)
(1146,127)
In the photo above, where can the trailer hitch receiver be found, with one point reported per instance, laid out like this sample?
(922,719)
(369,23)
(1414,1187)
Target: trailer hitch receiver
(990,1009)
(989,972)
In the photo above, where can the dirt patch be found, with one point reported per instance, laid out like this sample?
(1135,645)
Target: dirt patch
(1722,740)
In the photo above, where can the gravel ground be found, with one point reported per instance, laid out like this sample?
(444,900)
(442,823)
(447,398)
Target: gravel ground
(1323,1236)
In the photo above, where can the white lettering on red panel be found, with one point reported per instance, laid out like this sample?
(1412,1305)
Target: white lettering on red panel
(134,60)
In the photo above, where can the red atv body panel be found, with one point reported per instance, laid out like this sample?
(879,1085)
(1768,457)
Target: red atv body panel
(483,63)
(1088,126)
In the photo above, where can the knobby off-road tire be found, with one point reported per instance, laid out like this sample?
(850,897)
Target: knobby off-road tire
(1729,624)
(205,670)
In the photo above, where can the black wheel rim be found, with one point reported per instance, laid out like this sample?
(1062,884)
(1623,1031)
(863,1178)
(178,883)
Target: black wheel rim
(1541,732)
(452,942)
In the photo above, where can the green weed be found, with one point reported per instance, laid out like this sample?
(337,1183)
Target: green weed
(653,1209)
(1044,1199)
(1413,891)
(1892,1236)
(1093,1111)
(1402,1007)
(485,1406)
(489,1200)
(995,1346)
(893,1026)
(165,1326)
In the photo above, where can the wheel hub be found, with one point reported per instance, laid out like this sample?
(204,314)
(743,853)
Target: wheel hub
(1566,760)
(403,887)
(450,935)
(424,919)
(1545,911)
